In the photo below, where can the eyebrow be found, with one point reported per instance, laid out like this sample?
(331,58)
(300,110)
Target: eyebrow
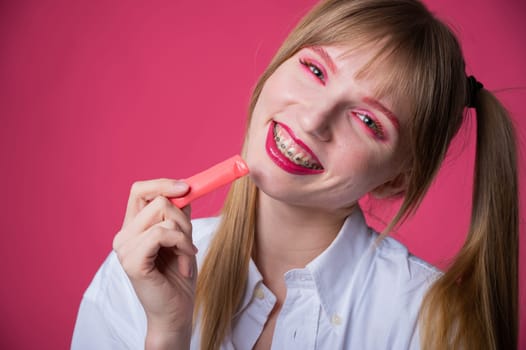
(390,115)
(326,57)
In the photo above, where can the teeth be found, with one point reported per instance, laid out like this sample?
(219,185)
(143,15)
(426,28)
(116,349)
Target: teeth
(291,150)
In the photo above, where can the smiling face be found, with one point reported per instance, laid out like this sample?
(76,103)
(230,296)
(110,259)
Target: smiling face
(319,136)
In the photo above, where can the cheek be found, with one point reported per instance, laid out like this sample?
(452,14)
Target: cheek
(364,169)
(355,151)
(262,109)
(284,88)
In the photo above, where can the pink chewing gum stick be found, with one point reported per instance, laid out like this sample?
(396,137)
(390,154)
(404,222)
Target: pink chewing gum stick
(211,179)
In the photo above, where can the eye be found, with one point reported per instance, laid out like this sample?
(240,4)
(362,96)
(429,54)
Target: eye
(371,123)
(317,71)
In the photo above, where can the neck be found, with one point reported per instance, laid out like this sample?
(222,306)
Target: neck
(289,237)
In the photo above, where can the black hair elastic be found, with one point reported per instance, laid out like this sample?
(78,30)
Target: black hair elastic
(474,87)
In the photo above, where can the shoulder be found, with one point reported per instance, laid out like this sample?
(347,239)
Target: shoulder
(402,279)
(408,266)
(393,288)
(109,275)
(111,304)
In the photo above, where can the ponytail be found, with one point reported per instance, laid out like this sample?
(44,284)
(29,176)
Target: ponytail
(222,278)
(474,304)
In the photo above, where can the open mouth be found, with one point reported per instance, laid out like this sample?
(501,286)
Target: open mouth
(294,150)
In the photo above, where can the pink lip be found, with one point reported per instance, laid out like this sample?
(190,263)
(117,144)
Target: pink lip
(283,162)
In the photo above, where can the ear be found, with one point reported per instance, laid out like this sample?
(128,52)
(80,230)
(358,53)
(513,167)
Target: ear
(391,188)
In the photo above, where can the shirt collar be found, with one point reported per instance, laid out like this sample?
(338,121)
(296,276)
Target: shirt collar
(334,270)
(331,270)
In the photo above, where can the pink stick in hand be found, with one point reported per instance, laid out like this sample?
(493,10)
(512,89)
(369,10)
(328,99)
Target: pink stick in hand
(211,179)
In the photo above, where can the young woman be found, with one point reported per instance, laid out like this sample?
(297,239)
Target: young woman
(364,96)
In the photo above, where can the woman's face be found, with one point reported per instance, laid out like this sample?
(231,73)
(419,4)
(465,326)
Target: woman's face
(319,136)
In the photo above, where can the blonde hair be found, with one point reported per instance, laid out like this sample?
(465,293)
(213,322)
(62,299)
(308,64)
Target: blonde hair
(474,304)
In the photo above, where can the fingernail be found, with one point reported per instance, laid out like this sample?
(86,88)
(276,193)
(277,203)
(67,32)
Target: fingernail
(190,273)
(180,186)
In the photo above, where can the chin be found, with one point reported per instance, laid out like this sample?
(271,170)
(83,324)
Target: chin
(261,176)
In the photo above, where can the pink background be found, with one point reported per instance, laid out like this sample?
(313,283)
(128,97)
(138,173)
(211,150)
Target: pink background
(95,95)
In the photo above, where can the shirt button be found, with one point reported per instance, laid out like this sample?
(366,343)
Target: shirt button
(260,294)
(336,320)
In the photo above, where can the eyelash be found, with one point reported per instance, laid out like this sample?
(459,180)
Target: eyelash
(315,70)
(375,127)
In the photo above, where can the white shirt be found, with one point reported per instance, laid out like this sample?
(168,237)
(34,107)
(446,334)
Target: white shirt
(355,295)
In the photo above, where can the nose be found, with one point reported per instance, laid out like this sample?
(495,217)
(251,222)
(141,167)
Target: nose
(318,120)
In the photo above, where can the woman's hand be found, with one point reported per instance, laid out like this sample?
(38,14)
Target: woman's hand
(155,249)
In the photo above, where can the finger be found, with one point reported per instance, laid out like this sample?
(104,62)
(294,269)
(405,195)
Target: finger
(143,192)
(160,237)
(187,210)
(187,265)
(140,261)
(123,245)
(156,211)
